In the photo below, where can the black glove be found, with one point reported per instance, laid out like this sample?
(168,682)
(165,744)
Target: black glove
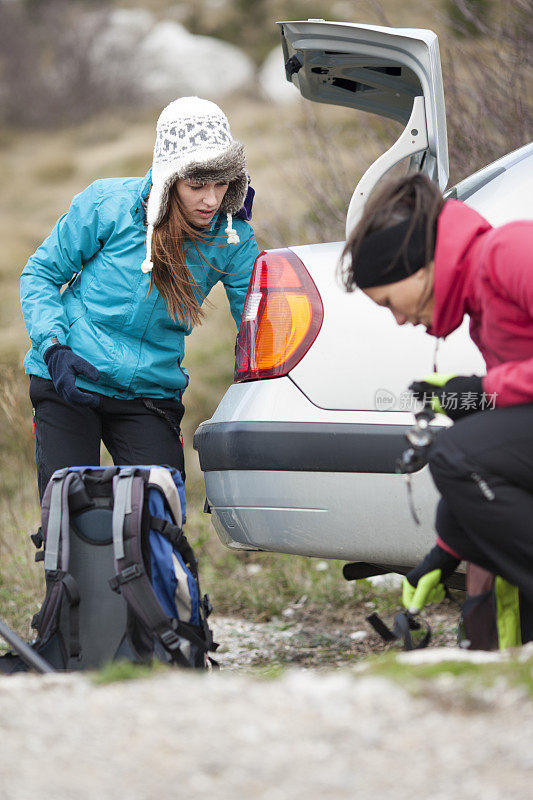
(63,365)
(458,396)
(425,583)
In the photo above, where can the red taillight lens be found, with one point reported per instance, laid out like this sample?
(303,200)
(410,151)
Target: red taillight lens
(282,316)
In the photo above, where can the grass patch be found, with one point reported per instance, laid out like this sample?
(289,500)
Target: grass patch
(117,671)
(514,670)
(272,672)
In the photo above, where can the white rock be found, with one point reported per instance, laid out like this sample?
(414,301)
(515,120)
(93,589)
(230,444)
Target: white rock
(173,62)
(321,566)
(358,636)
(116,36)
(389,581)
(288,612)
(436,655)
(272,81)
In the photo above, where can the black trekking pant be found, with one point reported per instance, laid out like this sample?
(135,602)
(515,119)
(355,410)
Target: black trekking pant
(140,431)
(483,469)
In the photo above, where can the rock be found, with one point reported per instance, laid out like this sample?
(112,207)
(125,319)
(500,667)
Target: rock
(358,636)
(272,81)
(173,62)
(437,655)
(155,62)
(288,612)
(115,38)
(389,581)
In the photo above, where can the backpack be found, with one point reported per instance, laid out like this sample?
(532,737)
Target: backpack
(495,615)
(121,578)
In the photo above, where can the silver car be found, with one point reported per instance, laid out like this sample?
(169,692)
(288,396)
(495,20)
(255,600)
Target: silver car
(299,457)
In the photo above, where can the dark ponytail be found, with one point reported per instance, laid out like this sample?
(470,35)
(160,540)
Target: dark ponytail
(415,199)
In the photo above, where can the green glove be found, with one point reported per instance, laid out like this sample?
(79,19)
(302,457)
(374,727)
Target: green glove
(466,392)
(425,583)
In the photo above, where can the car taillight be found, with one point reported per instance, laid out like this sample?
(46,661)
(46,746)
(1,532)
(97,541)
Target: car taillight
(282,316)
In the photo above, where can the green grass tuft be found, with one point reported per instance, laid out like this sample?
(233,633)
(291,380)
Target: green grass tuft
(125,671)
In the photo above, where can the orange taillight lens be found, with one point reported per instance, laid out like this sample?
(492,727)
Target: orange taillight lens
(282,315)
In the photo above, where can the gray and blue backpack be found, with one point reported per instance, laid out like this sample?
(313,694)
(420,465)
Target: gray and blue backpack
(121,578)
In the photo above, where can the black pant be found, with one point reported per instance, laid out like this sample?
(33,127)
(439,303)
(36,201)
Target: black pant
(139,431)
(483,468)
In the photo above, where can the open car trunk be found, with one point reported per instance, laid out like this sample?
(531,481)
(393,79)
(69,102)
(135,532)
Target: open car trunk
(394,73)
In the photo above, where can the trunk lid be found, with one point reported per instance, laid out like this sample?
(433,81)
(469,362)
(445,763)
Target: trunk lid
(391,72)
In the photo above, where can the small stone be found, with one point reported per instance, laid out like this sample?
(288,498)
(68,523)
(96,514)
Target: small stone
(358,636)
(288,612)
(253,569)
(321,566)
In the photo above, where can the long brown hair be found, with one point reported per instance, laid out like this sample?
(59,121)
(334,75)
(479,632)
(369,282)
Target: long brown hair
(415,197)
(170,272)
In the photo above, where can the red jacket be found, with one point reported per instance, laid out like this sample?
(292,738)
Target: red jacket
(488,273)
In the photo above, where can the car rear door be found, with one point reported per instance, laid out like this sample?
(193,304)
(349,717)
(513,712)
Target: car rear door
(394,73)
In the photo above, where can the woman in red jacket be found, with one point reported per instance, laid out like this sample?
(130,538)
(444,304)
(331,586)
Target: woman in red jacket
(430,262)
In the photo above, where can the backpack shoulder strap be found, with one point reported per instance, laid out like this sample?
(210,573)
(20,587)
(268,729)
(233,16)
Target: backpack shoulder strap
(131,578)
(58,520)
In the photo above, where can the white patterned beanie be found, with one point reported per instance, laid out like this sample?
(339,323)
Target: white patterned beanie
(193,140)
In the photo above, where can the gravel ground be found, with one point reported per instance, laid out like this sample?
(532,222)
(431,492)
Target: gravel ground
(303,736)
(314,638)
(310,733)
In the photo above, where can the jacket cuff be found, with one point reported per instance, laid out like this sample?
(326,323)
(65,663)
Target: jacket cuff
(49,342)
(446,547)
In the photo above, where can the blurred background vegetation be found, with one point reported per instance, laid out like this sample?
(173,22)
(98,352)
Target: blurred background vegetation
(56,137)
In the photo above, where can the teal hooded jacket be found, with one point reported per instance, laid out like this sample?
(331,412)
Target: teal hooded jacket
(106,313)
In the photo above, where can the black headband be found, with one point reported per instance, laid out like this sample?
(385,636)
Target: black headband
(385,257)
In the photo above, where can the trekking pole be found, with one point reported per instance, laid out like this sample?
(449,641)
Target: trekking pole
(419,438)
(27,654)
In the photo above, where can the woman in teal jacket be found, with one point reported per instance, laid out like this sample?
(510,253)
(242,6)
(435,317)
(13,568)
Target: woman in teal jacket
(138,256)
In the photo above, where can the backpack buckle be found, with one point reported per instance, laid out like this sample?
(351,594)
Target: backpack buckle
(206,604)
(37,538)
(124,576)
(54,575)
(170,639)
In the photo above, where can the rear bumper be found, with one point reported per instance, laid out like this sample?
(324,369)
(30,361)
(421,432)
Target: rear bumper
(287,476)
(299,447)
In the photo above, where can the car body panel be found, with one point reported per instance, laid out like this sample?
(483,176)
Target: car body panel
(371,352)
(337,514)
(501,191)
(307,513)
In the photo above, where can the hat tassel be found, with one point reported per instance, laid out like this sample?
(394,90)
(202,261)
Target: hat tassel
(233,236)
(147,265)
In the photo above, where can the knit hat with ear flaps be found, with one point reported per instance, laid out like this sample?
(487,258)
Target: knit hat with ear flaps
(193,140)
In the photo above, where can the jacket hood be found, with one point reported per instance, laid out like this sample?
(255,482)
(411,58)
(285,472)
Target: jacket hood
(460,231)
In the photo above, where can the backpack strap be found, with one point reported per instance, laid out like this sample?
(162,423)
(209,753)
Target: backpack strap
(178,540)
(59,582)
(131,578)
(123,484)
(58,517)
